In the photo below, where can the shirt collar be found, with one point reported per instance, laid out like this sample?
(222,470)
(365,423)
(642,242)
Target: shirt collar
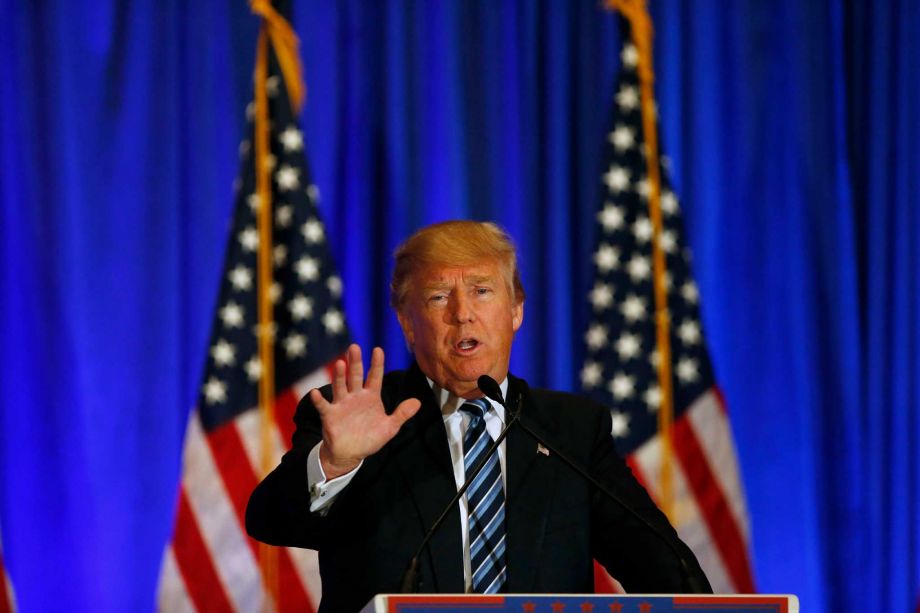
(450,403)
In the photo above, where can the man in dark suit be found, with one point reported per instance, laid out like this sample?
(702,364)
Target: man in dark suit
(375,461)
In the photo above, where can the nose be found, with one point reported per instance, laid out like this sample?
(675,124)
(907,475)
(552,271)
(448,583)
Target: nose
(463,308)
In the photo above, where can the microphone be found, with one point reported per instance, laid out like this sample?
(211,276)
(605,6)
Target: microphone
(491,389)
(410,579)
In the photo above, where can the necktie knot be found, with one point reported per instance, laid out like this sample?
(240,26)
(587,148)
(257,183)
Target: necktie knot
(476,408)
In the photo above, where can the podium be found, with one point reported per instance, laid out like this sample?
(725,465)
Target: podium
(586,603)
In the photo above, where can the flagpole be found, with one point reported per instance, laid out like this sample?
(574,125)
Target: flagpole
(276,30)
(640,25)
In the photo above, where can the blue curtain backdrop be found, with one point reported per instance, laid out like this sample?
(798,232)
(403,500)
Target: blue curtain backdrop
(794,130)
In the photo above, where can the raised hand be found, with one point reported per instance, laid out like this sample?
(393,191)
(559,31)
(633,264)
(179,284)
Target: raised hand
(355,424)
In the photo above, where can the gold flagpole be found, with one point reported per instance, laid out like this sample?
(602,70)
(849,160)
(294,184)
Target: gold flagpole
(640,25)
(276,30)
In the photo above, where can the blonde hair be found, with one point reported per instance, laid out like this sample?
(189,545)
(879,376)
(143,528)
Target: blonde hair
(455,243)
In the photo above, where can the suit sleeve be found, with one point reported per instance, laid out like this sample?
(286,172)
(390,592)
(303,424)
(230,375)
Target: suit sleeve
(278,512)
(631,552)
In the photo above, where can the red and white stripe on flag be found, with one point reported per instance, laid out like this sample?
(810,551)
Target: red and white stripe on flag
(212,564)
(709,504)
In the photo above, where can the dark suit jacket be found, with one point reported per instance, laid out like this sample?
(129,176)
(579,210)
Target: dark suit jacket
(556,523)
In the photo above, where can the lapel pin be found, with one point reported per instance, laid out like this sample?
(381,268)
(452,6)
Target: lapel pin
(542,449)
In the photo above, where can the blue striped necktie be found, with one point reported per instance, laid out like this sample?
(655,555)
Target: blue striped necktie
(485,504)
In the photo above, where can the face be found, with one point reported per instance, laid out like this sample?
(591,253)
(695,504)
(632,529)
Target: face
(459,323)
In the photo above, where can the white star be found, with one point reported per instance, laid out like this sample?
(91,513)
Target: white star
(654,358)
(307,269)
(630,56)
(249,239)
(295,345)
(241,278)
(591,374)
(689,292)
(638,268)
(668,203)
(283,215)
(652,398)
(275,292)
(628,346)
(270,162)
(313,193)
(668,242)
(642,229)
(601,296)
(291,139)
(250,111)
(617,179)
(606,258)
(334,285)
(288,178)
(667,280)
(245,146)
(312,231)
(253,368)
(619,424)
(301,307)
(633,308)
(271,85)
(689,332)
(596,336)
(223,353)
(232,315)
(687,370)
(214,391)
(622,138)
(279,255)
(643,188)
(333,321)
(253,201)
(611,217)
(622,386)
(628,97)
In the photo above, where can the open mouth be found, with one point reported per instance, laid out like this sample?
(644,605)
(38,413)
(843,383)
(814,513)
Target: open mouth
(467,345)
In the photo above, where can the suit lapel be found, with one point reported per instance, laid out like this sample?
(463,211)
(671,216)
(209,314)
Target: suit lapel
(530,488)
(423,456)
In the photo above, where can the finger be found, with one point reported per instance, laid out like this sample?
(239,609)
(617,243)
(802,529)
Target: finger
(339,388)
(375,374)
(355,368)
(406,409)
(318,401)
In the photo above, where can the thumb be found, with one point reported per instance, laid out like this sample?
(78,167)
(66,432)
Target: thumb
(406,409)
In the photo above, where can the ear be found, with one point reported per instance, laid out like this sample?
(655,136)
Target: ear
(517,315)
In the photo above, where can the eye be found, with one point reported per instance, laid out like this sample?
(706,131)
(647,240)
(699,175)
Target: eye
(483,291)
(437,299)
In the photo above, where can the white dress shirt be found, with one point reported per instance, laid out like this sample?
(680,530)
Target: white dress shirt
(323,492)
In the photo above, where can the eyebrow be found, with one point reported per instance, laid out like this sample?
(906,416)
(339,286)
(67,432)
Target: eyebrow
(477,280)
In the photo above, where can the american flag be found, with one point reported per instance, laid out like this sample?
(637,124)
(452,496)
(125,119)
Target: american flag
(7,598)
(211,564)
(620,368)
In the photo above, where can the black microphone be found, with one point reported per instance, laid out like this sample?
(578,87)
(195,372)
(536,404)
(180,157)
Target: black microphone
(410,579)
(491,389)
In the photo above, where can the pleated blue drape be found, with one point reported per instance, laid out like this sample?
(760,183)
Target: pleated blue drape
(794,134)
